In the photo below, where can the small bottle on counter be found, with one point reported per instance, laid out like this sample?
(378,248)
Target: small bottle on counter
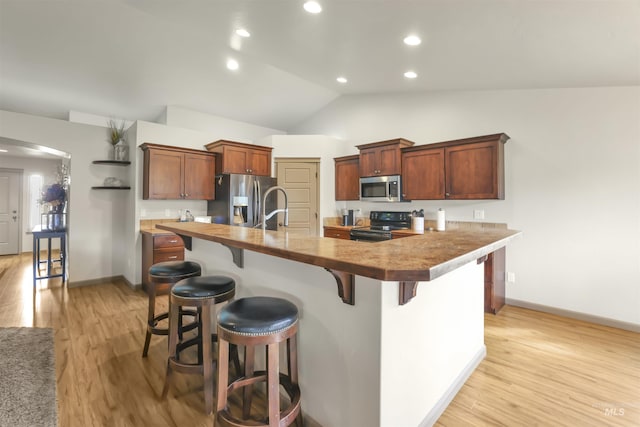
(440,223)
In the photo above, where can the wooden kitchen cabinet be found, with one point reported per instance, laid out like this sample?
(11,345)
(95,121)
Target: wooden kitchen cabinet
(347,179)
(475,170)
(423,174)
(238,157)
(382,158)
(159,247)
(176,173)
(494,286)
(337,232)
(471,168)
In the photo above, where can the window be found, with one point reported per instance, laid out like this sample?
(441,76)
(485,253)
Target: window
(35,194)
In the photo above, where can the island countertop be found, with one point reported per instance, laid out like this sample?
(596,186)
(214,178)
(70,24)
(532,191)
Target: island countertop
(420,257)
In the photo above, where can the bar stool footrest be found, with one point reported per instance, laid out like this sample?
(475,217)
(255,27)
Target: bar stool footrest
(154,329)
(286,415)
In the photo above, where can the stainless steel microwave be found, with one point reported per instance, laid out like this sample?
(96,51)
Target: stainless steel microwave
(381,189)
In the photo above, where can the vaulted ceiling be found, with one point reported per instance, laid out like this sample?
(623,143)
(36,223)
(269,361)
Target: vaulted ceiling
(131,58)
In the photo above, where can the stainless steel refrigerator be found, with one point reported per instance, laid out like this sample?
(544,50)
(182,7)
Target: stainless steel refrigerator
(239,200)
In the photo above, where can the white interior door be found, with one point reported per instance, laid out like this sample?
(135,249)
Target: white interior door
(9,212)
(300,179)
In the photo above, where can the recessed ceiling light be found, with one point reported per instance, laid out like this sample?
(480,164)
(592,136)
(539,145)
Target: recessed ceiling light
(341,79)
(410,74)
(232,64)
(312,7)
(243,33)
(412,40)
(2,150)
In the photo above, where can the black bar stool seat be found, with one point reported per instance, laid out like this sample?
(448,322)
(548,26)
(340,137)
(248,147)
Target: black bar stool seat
(167,272)
(202,292)
(259,321)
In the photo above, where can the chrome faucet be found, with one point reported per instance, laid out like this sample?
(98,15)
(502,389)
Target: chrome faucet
(265,217)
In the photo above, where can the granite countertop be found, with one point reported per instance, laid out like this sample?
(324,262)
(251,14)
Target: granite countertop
(148,226)
(336,222)
(419,257)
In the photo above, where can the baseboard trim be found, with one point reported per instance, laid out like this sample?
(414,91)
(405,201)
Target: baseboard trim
(604,321)
(102,281)
(453,389)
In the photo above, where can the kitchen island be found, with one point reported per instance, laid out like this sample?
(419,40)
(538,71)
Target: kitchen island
(384,358)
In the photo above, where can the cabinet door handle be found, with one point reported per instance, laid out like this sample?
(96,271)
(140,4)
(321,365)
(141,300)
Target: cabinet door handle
(447,194)
(173,257)
(186,195)
(173,241)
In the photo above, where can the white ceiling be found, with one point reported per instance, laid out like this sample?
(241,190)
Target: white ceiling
(131,58)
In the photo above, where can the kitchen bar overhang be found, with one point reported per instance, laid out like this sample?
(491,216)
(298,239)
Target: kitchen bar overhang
(408,261)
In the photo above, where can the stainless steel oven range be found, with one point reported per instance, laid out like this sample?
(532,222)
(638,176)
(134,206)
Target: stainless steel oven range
(382,224)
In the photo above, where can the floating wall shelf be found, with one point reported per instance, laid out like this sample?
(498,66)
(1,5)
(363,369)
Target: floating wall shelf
(112,162)
(111,188)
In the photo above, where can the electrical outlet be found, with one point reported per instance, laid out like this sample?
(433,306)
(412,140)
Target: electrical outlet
(143,213)
(478,214)
(511,277)
(167,212)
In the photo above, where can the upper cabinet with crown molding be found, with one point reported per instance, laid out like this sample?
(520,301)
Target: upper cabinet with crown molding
(177,173)
(470,168)
(382,158)
(347,177)
(238,157)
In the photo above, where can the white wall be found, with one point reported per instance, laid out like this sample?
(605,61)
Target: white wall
(217,127)
(30,166)
(572,181)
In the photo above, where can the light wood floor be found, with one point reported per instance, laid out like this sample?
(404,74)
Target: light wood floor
(540,369)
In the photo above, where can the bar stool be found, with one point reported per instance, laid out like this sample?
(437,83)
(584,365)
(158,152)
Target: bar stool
(251,322)
(160,273)
(202,292)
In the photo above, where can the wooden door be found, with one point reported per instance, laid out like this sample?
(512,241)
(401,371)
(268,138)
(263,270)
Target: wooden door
(347,178)
(472,171)
(300,180)
(164,178)
(199,176)
(10,218)
(423,174)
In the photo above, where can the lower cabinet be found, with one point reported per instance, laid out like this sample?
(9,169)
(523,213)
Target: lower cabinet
(337,232)
(494,289)
(159,248)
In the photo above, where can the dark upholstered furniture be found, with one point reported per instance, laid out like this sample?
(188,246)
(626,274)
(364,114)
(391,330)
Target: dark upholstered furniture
(251,322)
(162,273)
(202,292)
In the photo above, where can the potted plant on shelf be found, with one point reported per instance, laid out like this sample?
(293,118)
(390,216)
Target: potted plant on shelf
(117,141)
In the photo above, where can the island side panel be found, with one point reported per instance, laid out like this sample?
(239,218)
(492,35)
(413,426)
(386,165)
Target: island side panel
(339,359)
(430,345)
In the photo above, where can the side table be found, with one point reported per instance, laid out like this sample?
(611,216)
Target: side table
(39,234)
